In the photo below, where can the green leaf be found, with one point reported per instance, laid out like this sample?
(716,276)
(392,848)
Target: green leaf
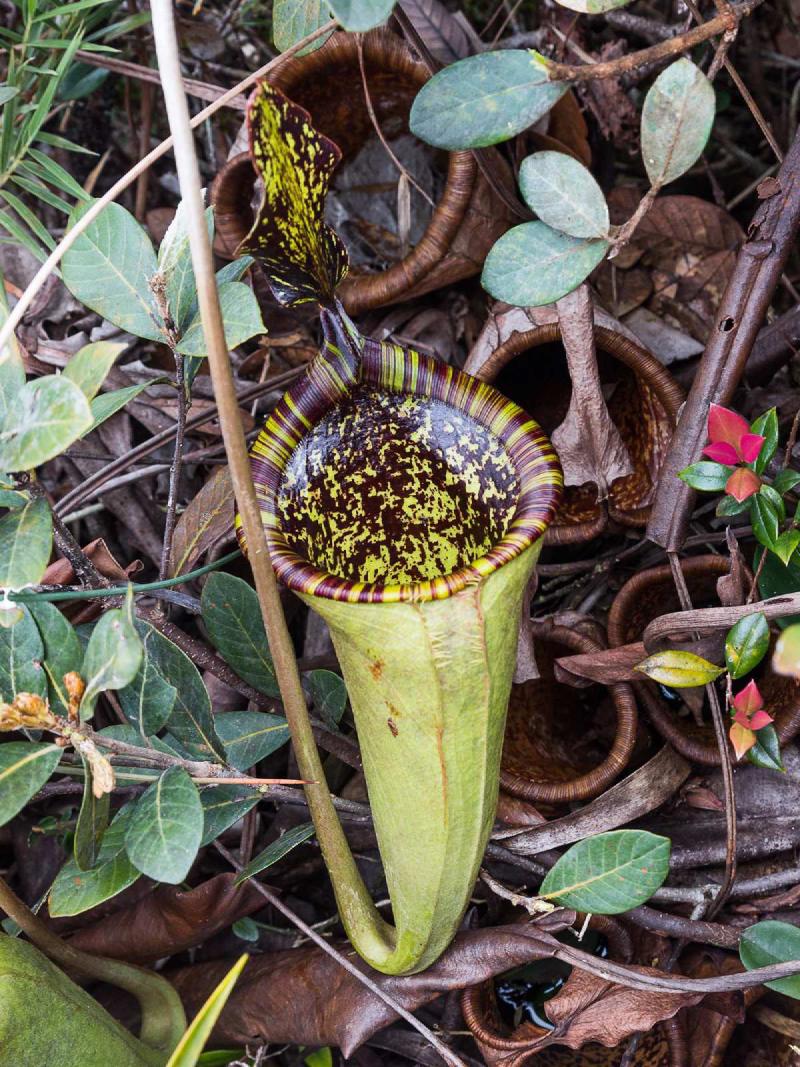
(329,695)
(679,670)
(112,656)
(358,16)
(75,891)
(90,365)
(771,942)
(7,92)
(484,99)
(766,752)
(223,805)
(166,828)
(706,476)
(766,426)
(532,264)
(746,644)
(24,769)
(62,650)
(108,404)
(246,929)
(47,415)
(677,117)
(786,658)
(175,263)
(564,194)
(785,545)
(240,313)
(321,1057)
(765,518)
(92,822)
(109,268)
(21,655)
(785,481)
(592,7)
(775,499)
(26,540)
(149,698)
(609,873)
(776,580)
(728,506)
(276,851)
(190,1046)
(292,20)
(232,617)
(250,736)
(190,720)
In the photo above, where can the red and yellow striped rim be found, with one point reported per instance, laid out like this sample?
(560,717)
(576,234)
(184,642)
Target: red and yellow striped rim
(400,370)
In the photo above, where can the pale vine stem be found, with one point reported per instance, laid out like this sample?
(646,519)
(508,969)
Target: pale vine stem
(339,858)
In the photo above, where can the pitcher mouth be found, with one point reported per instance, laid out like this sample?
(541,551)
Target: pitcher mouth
(419,469)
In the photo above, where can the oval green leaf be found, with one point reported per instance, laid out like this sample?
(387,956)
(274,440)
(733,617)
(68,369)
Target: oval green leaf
(21,655)
(112,656)
(358,16)
(771,942)
(677,117)
(276,851)
(233,619)
(250,736)
(484,99)
(292,20)
(786,659)
(534,264)
(24,769)
(746,644)
(564,194)
(166,828)
(75,891)
(609,873)
(706,476)
(679,670)
(90,365)
(46,416)
(26,540)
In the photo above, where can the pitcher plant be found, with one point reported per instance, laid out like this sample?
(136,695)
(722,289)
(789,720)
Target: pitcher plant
(405,503)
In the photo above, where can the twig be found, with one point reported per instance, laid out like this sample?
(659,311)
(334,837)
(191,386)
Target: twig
(344,962)
(613,68)
(724,754)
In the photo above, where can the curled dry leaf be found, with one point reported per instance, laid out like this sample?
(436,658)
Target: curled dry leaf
(168,920)
(588,443)
(206,521)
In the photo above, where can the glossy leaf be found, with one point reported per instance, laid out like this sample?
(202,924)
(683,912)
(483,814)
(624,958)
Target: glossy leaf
(484,99)
(92,821)
(746,644)
(26,540)
(771,942)
(109,268)
(786,544)
(223,805)
(329,695)
(149,697)
(533,264)
(304,259)
(765,518)
(564,194)
(232,617)
(292,20)
(776,579)
(21,655)
(188,1049)
(112,656)
(766,426)
(24,769)
(276,851)
(47,415)
(90,365)
(240,314)
(706,476)
(609,873)
(166,827)
(358,16)
(679,670)
(786,480)
(786,659)
(677,117)
(766,752)
(250,736)
(75,890)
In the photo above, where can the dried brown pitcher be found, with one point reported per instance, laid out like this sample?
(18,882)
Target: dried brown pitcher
(469,216)
(643,406)
(547,757)
(650,594)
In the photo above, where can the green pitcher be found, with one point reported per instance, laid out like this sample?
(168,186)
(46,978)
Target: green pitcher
(404,502)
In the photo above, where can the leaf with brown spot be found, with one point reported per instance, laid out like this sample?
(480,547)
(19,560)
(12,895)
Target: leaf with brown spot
(303,257)
(206,521)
